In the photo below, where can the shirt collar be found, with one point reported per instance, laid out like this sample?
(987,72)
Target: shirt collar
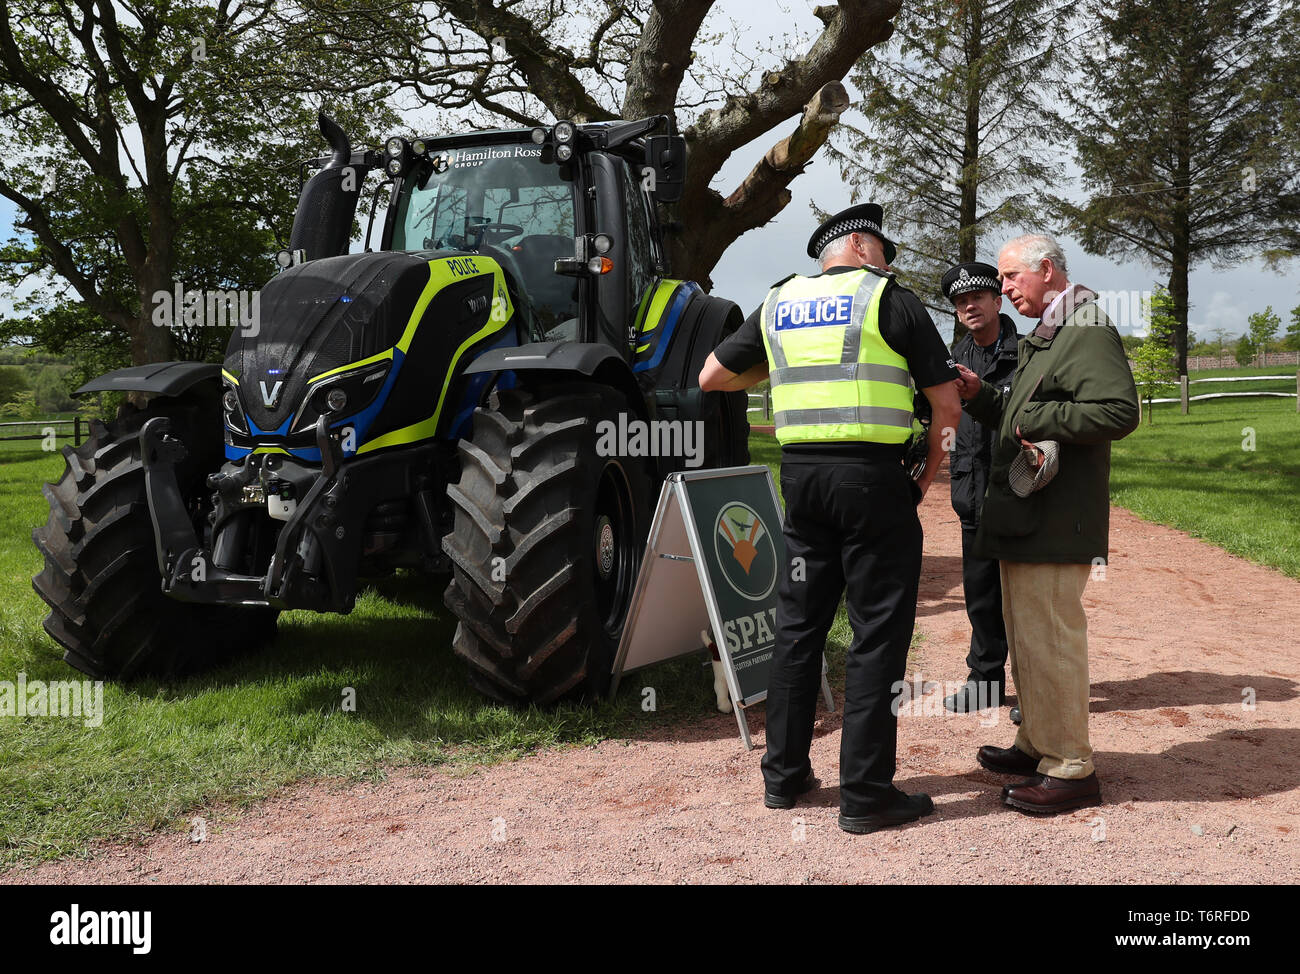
(1047,312)
(1062,308)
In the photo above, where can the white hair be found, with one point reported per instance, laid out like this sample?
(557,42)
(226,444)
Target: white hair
(1034,248)
(833,249)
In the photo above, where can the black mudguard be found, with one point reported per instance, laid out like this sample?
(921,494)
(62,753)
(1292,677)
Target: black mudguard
(160,379)
(555,359)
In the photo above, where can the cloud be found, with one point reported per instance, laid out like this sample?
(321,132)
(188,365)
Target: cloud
(1222,310)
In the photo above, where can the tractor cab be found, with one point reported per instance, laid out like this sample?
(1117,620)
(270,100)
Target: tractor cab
(568,212)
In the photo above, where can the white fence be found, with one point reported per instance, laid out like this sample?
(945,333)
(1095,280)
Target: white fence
(1185,399)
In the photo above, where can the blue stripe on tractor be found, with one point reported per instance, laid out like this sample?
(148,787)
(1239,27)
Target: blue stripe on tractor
(685,292)
(362,421)
(461,422)
(282,431)
(307,454)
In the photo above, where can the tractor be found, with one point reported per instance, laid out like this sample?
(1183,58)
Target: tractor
(436,404)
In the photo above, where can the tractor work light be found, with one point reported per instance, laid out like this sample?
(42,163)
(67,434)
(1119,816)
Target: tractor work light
(394,167)
(538,135)
(564,152)
(603,243)
(565,132)
(395,147)
(418,147)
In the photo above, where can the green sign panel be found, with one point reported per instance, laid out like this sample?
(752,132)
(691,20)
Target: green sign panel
(738,524)
(712,564)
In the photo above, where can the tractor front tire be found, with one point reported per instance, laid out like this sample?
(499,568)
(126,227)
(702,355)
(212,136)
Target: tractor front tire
(546,545)
(101,578)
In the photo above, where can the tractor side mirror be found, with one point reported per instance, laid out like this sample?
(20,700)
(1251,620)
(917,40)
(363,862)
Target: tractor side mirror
(666,155)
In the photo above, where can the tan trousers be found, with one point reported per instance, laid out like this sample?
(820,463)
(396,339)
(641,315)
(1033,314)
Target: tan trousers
(1047,632)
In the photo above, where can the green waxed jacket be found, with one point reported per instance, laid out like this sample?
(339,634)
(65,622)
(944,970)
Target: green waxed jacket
(1072,384)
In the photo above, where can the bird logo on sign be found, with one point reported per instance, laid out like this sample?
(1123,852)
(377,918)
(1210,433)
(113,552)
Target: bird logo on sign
(744,550)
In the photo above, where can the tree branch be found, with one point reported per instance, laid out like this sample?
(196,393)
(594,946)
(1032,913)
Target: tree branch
(851,28)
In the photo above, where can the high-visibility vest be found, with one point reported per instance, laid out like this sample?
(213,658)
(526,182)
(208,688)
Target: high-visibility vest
(834,379)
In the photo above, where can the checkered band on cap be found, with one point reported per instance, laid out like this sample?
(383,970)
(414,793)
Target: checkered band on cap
(973,282)
(843,227)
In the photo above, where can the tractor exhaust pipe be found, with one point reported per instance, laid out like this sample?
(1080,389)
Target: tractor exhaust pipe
(322,224)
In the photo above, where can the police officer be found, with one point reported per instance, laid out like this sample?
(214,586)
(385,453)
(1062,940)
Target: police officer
(989,350)
(843,348)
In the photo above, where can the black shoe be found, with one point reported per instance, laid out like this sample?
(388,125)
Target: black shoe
(1007,760)
(907,809)
(1015,715)
(773,800)
(968,699)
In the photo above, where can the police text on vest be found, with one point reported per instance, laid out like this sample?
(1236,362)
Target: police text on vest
(813,312)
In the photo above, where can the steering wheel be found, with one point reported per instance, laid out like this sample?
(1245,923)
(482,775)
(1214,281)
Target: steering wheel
(510,263)
(481,230)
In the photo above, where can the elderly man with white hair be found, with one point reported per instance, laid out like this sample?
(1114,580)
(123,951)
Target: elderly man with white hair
(1046,515)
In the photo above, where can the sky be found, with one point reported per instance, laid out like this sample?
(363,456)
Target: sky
(1219,299)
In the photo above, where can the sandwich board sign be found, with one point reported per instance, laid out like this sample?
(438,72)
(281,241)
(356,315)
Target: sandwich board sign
(712,562)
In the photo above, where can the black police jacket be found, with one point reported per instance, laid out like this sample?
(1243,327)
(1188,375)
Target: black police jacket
(971,455)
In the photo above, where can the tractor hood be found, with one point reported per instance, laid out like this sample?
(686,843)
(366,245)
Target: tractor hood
(390,330)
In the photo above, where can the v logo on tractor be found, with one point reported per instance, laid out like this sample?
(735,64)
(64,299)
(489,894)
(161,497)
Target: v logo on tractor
(268,398)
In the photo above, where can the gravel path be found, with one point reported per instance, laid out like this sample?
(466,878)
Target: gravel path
(1198,787)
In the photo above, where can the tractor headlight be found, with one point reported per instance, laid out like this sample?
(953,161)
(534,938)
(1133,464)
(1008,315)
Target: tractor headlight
(351,391)
(395,147)
(564,152)
(234,411)
(394,167)
(565,132)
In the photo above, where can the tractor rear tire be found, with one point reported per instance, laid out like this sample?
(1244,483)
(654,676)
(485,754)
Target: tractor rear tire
(546,545)
(726,429)
(101,578)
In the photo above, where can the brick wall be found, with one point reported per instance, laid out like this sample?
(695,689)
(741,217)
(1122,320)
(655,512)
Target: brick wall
(1196,362)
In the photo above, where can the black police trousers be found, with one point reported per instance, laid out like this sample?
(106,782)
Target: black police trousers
(982,585)
(853,525)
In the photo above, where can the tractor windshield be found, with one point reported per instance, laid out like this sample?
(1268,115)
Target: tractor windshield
(503,201)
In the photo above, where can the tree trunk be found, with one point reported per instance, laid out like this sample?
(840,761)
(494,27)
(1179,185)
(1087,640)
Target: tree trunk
(149,342)
(1180,221)
(970,154)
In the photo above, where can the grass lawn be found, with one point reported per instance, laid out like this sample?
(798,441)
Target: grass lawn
(1193,473)
(235,735)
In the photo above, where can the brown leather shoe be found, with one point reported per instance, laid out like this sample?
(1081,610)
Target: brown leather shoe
(1006,760)
(1049,795)
(1031,780)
